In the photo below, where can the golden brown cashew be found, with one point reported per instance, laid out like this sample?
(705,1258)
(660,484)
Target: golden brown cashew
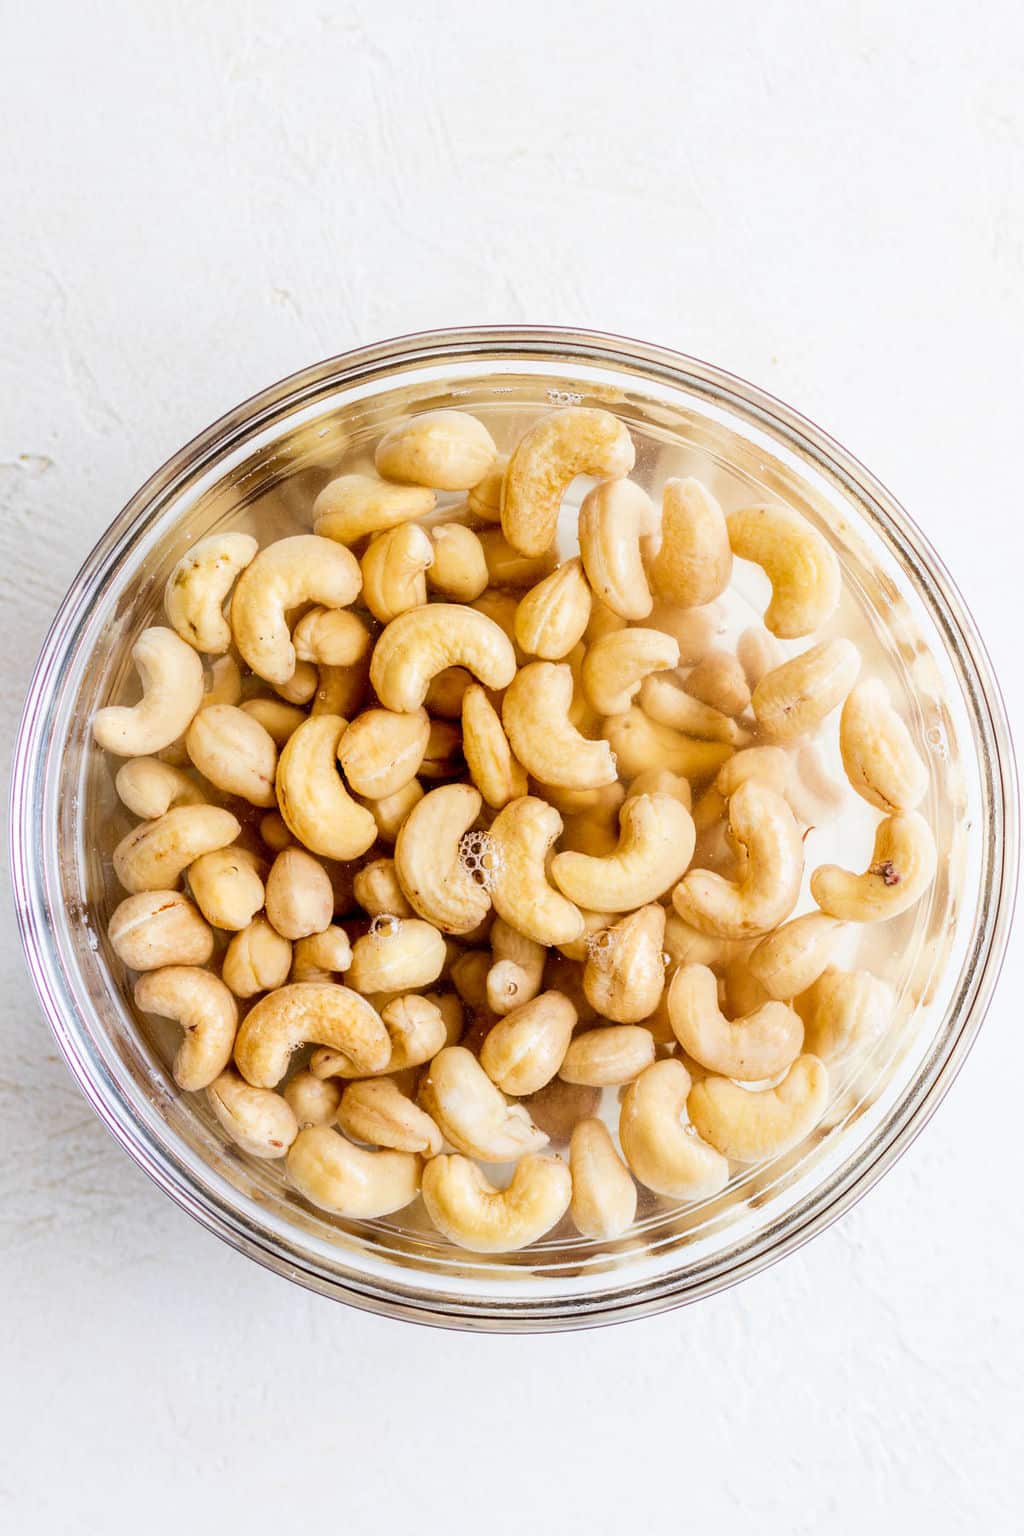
(472,1213)
(659,1147)
(235,752)
(656,841)
(342,690)
(448,450)
(321,956)
(312,1100)
(331,637)
(665,701)
(398,954)
(348,1180)
(312,796)
(299,898)
(794,956)
(616,665)
(257,1119)
(206,1011)
(518,969)
(378,891)
(525,1049)
(417,1029)
(615,518)
(551,618)
(154,854)
(381,751)
(257,959)
(548,457)
(608,1056)
(797,696)
(519,840)
(603,1192)
(798,562)
(150,788)
(201,580)
(377,1111)
(321,1012)
(640,743)
(625,970)
(285,574)
(171,675)
(459,567)
(471,1113)
(429,860)
(771,861)
(353,506)
(845,1012)
(750,1125)
(394,571)
(227,887)
(878,751)
(157,928)
(750,1049)
(493,769)
(694,560)
(419,644)
(535,714)
(902,868)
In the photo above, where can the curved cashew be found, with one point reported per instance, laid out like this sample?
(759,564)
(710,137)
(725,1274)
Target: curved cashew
(285,574)
(662,1151)
(377,1111)
(227,887)
(878,751)
(206,1011)
(378,891)
(312,1100)
(279,719)
(417,1029)
(258,959)
(353,506)
(493,769)
(608,1056)
(320,956)
(845,1012)
(419,644)
(394,571)
(506,567)
(750,1049)
(535,714)
(603,1193)
(158,928)
(348,1180)
(758,652)
(720,682)
(615,518)
(260,1121)
(577,441)
(471,1113)
(171,675)
(693,629)
(331,637)
(525,1049)
(299,897)
(201,580)
(471,1212)
(640,743)
(750,1125)
(319,1011)
(665,701)
(790,959)
(150,788)
(390,814)
(771,861)
(381,751)
(429,860)
(484,498)
(155,853)
(694,560)
(798,562)
(797,696)
(234,751)
(656,841)
(616,665)
(448,450)
(520,838)
(902,867)
(517,972)
(398,954)
(312,796)
(552,617)
(459,566)
(624,975)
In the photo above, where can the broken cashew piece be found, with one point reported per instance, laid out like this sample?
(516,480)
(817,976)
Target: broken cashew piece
(171,675)
(471,1113)
(903,864)
(525,1049)
(353,506)
(258,1120)
(447,450)
(797,696)
(351,1181)
(758,1046)
(535,714)
(201,580)
(603,1193)
(285,574)
(615,518)
(471,1212)
(318,1012)
(153,855)
(429,860)
(157,928)
(576,441)
(206,1011)
(624,974)
(616,665)
(377,1111)
(790,959)
(492,767)
(552,617)
(519,840)
(656,842)
(798,562)
(694,560)
(312,797)
(747,1125)
(394,571)
(419,644)
(381,751)
(771,861)
(878,751)
(659,1147)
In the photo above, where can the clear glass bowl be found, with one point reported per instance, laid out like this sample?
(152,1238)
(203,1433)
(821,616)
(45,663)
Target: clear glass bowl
(259,467)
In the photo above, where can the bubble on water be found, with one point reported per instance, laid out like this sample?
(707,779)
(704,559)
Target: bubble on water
(479,857)
(385,926)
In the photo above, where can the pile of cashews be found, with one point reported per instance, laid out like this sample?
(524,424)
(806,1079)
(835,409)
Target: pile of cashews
(427,820)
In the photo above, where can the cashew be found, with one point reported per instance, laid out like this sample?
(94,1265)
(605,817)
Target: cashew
(771,862)
(902,867)
(551,618)
(258,959)
(694,560)
(798,562)
(206,1011)
(693,629)
(319,956)
(603,621)
(319,1011)
(301,686)
(299,898)
(391,813)
(594,923)
(226,887)
(376,1110)
(155,853)
(640,743)
(398,954)
(845,1012)
(312,1100)
(720,682)
(459,567)
(171,675)
(661,1149)
(796,696)
(663,700)
(747,1125)
(518,969)
(353,506)
(381,751)
(625,973)
(548,457)
(660,781)
(471,1113)
(616,665)
(492,767)
(278,719)
(525,1049)
(507,568)
(688,946)
(158,928)
(484,498)
(342,690)
(394,571)
(614,518)
(656,841)
(608,1056)
(472,1213)
(443,757)
(312,796)
(331,637)
(448,450)
(378,891)
(417,1027)
(274,832)
(150,788)
(234,751)
(348,1180)
(285,574)
(468,973)
(419,644)
(771,766)
(429,862)
(201,580)
(603,1192)
(257,1119)
(519,840)
(760,1045)
(535,714)
(794,956)
(758,652)
(878,750)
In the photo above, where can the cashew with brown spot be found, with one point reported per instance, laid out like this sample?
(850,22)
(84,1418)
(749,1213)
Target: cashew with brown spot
(903,864)
(158,928)
(748,1125)
(376,1111)
(206,1011)
(417,645)
(771,860)
(171,675)
(318,1012)
(798,562)
(535,714)
(694,561)
(312,797)
(155,853)
(337,1176)
(259,1120)
(615,519)
(471,1113)
(285,574)
(472,1213)
(758,1046)
(258,959)
(447,450)
(603,1193)
(352,506)
(299,898)
(660,1148)
(519,840)
(525,1049)
(656,841)
(201,580)
(624,973)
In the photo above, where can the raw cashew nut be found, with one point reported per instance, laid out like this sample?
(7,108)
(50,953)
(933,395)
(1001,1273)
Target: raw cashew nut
(206,1011)
(603,1192)
(301,686)
(394,571)
(319,1011)
(656,841)
(448,450)
(552,617)
(353,506)
(798,562)
(154,854)
(234,751)
(535,714)
(201,580)
(640,743)
(902,868)
(429,861)
(519,840)
(378,891)
(257,960)
(694,561)
(417,1029)
(472,1114)
(747,1125)
(257,1119)
(381,751)
(771,861)
(758,1046)
(419,644)
(663,700)
(150,788)
(720,682)
(506,567)
(331,637)
(158,928)
(845,1012)
(320,956)
(525,1049)
(227,887)
(348,1180)
(518,969)
(398,954)
(285,574)
(299,898)
(624,975)
(608,1056)
(468,975)
(693,629)
(615,518)
(492,767)
(616,665)
(878,751)
(278,719)
(577,441)
(377,1111)
(471,1212)
(660,1148)
(312,797)
(459,567)
(484,499)
(790,959)
(171,675)
(758,652)
(312,1100)
(797,696)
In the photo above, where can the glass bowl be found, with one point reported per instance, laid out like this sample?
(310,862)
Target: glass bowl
(260,467)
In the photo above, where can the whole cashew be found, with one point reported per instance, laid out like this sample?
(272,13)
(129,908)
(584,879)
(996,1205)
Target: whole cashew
(417,1029)
(471,1113)
(520,837)
(663,700)
(484,498)
(419,644)
(656,841)
(285,574)
(158,928)
(257,960)
(459,566)
(226,886)
(797,696)
(552,617)
(493,769)
(150,788)
(798,562)
(694,560)
(394,571)
(603,1193)
(353,506)
(615,518)
(902,868)
(348,1180)
(312,796)
(429,860)
(235,752)
(471,1212)
(517,972)
(659,1147)
(790,959)
(571,442)
(260,1121)
(624,975)
(154,854)
(640,743)
(878,751)
(525,1049)
(845,1012)
(616,665)
(448,450)
(312,1100)
(304,1011)
(398,954)
(381,751)
(206,1011)
(535,714)
(378,891)
(331,637)
(771,862)
(299,898)
(171,675)
(321,956)
(748,1126)
(377,1111)
(391,813)
(278,719)
(720,682)
(750,1049)
(201,580)
(608,1056)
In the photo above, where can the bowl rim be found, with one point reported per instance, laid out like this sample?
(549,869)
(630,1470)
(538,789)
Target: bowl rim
(624,1299)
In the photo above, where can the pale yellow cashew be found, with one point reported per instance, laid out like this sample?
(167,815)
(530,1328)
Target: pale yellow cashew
(274,832)
(656,841)
(312,1100)
(615,520)
(471,1212)
(419,644)
(398,954)
(377,1111)
(846,1012)
(902,868)
(640,743)
(796,697)
(353,506)
(743,992)
(758,1046)
(770,766)
(798,562)
(492,767)
(472,1114)
(301,686)
(321,1012)
(226,886)
(235,752)
(279,719)
(391,813)
(747,1125)
(661,1149)
(321,956)
(158,928)
(418,1027)
(429,860)
(155,854)
(758,652)
(608,1056)
(519,840)
(525,1049)
(285,574)
(459,567)
(312,797)
(694,561)
(150,788)
(468,975)
(260,1121)
(665,701)
(258,959)
(206,1011)
(603,621)
(331,637)
(171,675)
(507,568)
(878,750)
(552,617)
(378,891)
(693,629)
(720,682)
(685,945)
(624,974)
(603,1193)
(517,972)
(443,757)
(616,665)
(382,751)
(351,1181)
(576,441)
(299,897)
(535,714)
(790,959)
(484,498)
(771,860)
(447,450)
(201,580)
(394,571)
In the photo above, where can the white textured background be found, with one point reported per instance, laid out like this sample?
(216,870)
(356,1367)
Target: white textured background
(200,198)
